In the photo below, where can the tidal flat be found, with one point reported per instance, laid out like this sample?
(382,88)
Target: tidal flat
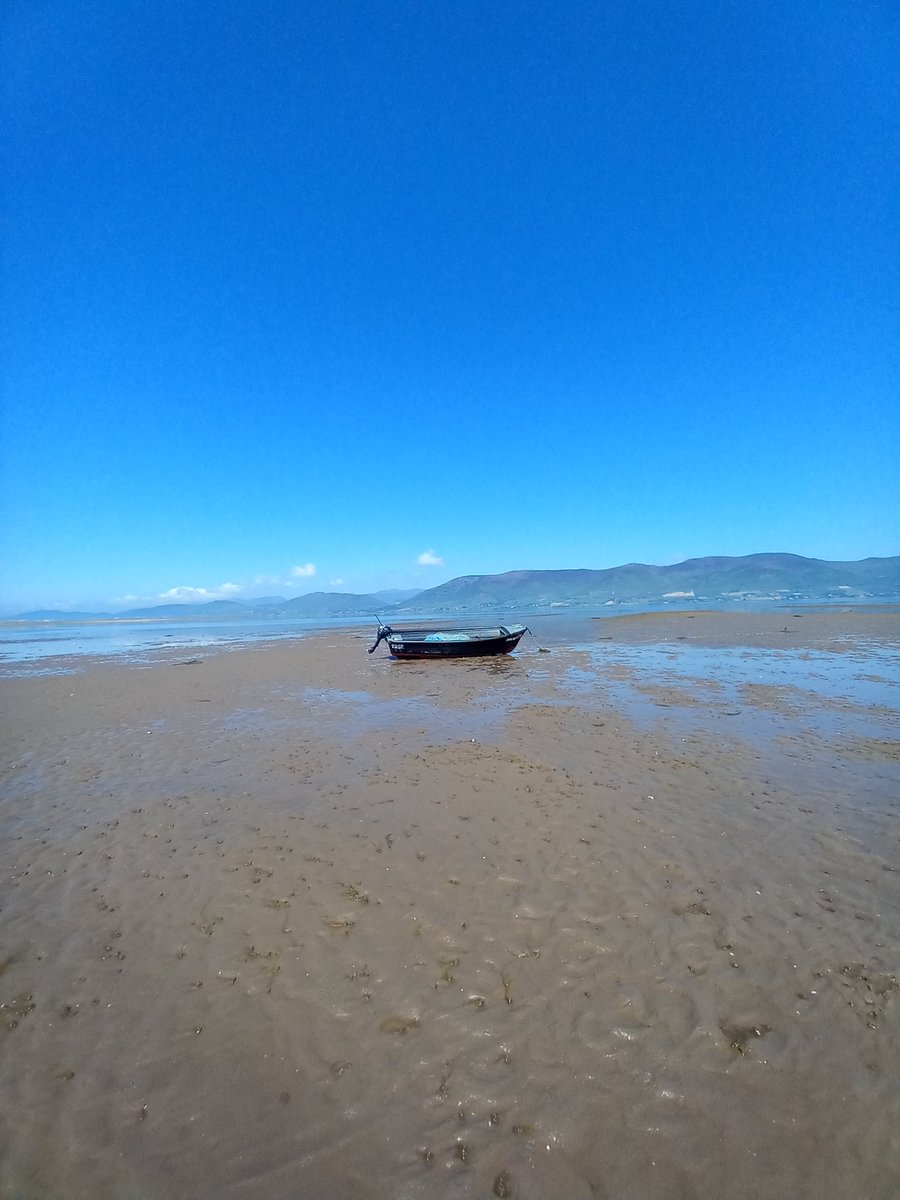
(609,918)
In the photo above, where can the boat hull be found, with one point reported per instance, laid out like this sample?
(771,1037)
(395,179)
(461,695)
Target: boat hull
(401,647)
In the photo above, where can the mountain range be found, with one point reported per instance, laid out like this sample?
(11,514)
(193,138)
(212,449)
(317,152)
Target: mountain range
(751,576)
(315,604)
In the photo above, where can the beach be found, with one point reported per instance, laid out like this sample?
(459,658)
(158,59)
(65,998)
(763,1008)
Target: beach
(609,918)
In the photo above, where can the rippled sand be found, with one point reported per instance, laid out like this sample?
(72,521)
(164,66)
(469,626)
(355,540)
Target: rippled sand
(620,919)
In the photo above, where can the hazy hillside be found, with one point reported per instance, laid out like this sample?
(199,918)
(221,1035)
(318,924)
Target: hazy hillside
(58,614)
(704,578)
(332,604)
(710,578)
(214,608)
(316,604)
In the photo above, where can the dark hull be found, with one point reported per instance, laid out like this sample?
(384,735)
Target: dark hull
(477,648)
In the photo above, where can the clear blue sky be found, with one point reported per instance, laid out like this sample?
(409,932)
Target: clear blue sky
(302,292)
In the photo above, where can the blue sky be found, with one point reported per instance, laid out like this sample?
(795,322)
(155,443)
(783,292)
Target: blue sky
(352,295)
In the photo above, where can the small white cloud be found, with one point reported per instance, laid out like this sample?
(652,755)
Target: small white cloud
(184,593)
(429,559)
(195,595)
(335,582)
(304,572)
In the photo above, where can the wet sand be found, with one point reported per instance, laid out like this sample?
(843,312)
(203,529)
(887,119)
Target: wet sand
(616,919)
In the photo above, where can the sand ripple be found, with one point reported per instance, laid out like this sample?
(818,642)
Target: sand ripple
(303,952)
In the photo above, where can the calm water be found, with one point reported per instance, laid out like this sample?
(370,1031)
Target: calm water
(55,647)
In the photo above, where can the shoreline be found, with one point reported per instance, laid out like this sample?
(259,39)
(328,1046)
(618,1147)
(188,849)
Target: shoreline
(53,650)
(294,919)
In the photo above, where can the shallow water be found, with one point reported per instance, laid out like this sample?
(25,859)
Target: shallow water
(856,693)
(28,649)
(39,646)
(761,696)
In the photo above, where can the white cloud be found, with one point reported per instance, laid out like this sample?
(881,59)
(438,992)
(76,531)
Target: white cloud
(195,595)
(335,582)
(304,572)
(429,559)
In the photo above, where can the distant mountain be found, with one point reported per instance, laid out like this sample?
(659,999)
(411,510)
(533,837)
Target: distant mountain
(753,575)
(57,614)
(316,604)
(213,608)
(708,578)
(396,595)
(332,604)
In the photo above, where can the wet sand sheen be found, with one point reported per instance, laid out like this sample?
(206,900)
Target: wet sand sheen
(294,921)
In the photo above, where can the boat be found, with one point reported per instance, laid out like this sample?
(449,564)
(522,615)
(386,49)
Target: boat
(449,643)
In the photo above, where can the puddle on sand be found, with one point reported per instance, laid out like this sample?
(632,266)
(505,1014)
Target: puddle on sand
(829,694)
(728,691)
(811,717)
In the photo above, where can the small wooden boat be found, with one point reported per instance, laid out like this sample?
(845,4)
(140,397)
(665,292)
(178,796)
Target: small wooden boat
(449,643)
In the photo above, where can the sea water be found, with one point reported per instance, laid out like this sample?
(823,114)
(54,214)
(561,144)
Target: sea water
(55,647)
(43,647)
